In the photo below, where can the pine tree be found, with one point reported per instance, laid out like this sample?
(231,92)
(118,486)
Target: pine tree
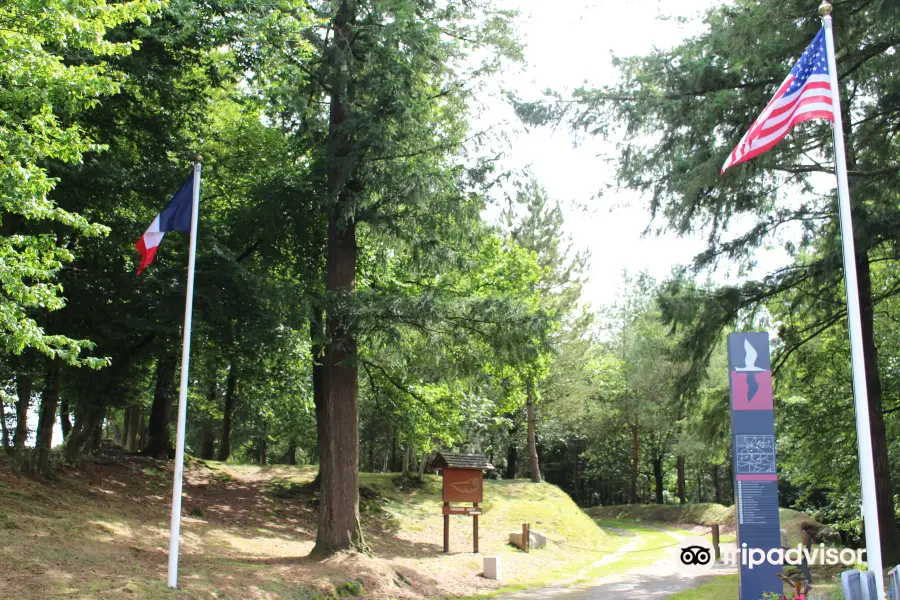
(683,110)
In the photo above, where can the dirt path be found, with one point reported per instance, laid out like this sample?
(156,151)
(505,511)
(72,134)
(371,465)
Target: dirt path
(659,580)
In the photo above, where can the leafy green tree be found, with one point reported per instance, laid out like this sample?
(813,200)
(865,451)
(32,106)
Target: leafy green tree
(387,157)
(682,111)
(444,343)
(539,230)
(41,92)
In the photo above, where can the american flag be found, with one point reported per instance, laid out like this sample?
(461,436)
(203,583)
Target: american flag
(804,95)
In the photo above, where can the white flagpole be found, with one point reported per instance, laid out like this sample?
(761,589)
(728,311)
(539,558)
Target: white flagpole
(860,393)
(175,525)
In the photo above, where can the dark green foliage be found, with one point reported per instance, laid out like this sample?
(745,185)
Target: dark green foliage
(678,113)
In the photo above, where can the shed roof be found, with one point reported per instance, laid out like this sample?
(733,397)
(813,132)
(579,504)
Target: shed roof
(452,460)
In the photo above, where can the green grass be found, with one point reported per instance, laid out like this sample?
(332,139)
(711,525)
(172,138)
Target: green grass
(707,514)
(696,514)
(718,588)
(726,587)
(101,532)
(651,546)
(647,547)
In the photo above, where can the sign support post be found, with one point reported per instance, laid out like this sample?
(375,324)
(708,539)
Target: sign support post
(753,451)
(462,482)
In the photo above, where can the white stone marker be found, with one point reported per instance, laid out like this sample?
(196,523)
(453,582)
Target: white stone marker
(492,567)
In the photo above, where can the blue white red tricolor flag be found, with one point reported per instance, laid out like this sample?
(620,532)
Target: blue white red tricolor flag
(176,216)
(805,94)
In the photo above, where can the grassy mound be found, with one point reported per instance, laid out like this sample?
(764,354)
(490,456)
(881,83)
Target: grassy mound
(101,531)
(695,514)
(707,514)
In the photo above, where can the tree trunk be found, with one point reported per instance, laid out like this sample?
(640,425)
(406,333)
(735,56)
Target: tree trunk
(112,428)
(24,389)
(511,457)
(316,335)
(158,444)
(208,441)
(339,527)
(699,484)
(134,422)
(883,485)
(290,455)
(23,402)
(717,488)
(394,454)
(533,463)
(729,467)
(81,437)
(97,438)
(658,478)
(47,418)
(65,420)
(207,430)
(413,460)
(393,467)
(263,450)
(371,463)
(404,468)
(4,426)
(422,466)
(228,412)
(679,469)
(576,487)
(635,459)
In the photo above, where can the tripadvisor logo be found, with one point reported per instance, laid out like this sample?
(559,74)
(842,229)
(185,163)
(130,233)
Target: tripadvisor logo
(695,554)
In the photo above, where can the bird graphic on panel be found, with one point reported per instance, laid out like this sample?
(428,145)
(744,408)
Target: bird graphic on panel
(750,356)
(467,486)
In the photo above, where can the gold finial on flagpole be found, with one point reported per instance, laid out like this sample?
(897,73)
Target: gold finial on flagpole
(198,159)
(825,8)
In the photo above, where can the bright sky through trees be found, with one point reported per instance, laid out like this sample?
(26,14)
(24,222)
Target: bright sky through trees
(567,44)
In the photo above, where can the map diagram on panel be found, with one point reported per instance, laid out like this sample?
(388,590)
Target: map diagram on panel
(755,453)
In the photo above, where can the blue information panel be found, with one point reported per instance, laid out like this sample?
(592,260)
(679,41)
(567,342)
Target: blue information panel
(753,447)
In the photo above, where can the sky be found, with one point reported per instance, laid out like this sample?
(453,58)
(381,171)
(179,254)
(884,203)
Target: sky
(570,43)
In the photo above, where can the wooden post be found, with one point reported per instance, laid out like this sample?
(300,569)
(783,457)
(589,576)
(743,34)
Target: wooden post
(804,566)
(715,541)
(446,528)
(526,533)
(475,530)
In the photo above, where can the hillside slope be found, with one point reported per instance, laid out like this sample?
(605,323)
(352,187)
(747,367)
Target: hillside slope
(101,531)
(707,514)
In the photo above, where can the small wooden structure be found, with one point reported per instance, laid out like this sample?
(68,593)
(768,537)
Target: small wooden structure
(463,476)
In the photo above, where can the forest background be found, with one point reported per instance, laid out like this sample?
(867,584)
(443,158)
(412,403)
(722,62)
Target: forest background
(377,282)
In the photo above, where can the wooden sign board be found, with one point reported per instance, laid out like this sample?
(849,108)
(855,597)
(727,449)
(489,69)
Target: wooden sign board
(462,510)
(463,485)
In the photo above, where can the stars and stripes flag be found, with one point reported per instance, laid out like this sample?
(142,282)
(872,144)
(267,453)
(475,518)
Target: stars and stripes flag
(805,94)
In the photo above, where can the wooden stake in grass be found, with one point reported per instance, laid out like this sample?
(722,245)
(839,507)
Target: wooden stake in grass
(715,541)
(475,530)
(446,528)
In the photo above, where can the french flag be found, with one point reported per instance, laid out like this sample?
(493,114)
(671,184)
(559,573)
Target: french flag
(176,216)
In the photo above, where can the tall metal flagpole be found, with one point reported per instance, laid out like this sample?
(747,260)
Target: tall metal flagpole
(175,525)
(860,393)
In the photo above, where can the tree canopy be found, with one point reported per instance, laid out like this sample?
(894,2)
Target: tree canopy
(373,286)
